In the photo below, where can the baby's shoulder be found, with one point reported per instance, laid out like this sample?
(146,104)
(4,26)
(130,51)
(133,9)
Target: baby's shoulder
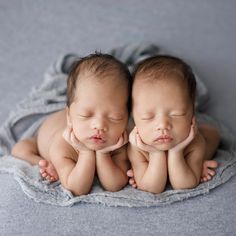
(60,147)
(136,154)
(197,145)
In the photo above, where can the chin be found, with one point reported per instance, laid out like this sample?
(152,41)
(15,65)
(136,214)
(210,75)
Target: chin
(96,147)
(164,147)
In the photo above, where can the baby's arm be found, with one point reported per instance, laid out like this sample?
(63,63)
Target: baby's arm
(74,176)
(185,167)
(150,175)
(112,165)
(111,169)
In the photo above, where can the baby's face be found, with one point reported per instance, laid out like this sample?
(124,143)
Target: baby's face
(162,112)
(99,113)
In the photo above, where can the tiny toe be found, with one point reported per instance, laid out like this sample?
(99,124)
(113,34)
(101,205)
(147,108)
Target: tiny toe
(212,164)
(43,163)
(41,171)
(209,177)
(211,172)
(44,175)
(131,181)
(130,173)
(134,186)
(48,178)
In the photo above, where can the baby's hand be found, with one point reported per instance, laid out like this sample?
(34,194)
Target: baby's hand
(121,142)
(135,139)
(70,138)
(188,140)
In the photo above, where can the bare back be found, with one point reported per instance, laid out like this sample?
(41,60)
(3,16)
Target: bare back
(51,129)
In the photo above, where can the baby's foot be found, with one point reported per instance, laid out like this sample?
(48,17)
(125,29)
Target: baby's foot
(132,181)
(48,171)
(208,170)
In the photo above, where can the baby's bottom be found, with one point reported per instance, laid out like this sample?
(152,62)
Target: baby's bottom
(27,150)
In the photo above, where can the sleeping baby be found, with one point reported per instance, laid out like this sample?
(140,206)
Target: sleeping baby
(88,137)
(166,144)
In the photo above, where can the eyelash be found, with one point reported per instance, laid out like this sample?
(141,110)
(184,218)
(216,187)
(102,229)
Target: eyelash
(148,118)
(85,116)
(110,118)
(115,120)
(172,115)
(177,115)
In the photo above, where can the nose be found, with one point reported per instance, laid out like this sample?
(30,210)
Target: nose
(99,124)
(163,123)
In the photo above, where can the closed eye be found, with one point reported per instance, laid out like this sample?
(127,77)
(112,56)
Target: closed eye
(177,115)
(84,115)
(115,119)
(146,118)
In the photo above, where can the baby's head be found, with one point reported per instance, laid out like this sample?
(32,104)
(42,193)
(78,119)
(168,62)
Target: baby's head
(163,98)
(98,100)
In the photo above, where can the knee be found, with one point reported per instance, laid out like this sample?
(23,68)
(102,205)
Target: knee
(215,136)
(211,134)
(21,149)
(17,149)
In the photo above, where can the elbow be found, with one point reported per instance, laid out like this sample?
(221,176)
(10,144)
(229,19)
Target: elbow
(189,185)
(118,186)
(76,190)
(151,188)
(79,193)
(113,188)
(154,191)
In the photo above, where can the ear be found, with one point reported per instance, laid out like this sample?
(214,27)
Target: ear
(68,117)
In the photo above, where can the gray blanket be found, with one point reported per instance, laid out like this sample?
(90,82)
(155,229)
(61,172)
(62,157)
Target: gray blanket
(49,97)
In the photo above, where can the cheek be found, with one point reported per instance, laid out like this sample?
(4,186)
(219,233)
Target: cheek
(80,129)
(182,129)
(115,132)
(145,132)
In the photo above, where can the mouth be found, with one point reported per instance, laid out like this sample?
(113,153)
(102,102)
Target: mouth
(163,139)
(98,139)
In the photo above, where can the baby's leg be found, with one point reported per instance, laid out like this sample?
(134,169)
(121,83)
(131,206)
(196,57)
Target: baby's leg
(212,138)
(27,150)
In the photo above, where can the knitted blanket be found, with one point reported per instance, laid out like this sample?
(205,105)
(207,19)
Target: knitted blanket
(50,97)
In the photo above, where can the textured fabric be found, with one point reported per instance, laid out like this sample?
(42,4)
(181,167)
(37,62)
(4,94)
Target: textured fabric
(50,97)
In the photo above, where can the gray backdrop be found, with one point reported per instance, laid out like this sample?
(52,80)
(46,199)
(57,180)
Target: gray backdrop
(34,33)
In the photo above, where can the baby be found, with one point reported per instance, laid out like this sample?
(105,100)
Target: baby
(166,144)
(88,137)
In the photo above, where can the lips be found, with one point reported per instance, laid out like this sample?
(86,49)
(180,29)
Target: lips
(97,139)
(163,139)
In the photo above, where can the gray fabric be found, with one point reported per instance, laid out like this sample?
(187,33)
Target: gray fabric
(50,97)
(34,33)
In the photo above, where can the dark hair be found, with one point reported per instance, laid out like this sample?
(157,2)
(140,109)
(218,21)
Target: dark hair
(162,66)
(100,65)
